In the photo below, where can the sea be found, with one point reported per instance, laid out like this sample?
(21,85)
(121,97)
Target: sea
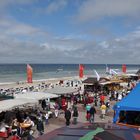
(11,73)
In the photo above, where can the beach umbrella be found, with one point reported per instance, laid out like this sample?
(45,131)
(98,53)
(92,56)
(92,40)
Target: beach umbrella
(58,90)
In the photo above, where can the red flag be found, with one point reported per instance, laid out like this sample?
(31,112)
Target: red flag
(81,71)
(124,68)
(29,74)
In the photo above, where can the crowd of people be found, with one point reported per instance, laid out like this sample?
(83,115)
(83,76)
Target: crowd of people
(23,124)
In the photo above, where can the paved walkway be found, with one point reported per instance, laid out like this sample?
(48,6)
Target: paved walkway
(59,122)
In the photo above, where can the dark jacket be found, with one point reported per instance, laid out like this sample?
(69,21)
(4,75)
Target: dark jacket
(67,115)
(107,104)
(40,126)
(92,111)
(43,104)
(75,113)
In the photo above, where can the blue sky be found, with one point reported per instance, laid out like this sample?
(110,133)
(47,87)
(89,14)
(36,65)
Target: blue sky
(67,31)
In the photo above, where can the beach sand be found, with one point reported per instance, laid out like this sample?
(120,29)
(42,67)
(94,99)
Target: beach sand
(24,84)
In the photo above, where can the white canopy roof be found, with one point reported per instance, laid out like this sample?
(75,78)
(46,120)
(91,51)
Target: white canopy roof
(11,103)
(62,90)
(24,98)
(35,95)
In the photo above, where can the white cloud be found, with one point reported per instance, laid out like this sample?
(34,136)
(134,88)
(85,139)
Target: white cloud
(122,50)
(92,9)
(21,29)
(52,6)
(104,44)
(55,6)
(13,29)
(4,3)
(21,42)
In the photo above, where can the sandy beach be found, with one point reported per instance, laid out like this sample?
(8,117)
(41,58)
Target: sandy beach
(24,84)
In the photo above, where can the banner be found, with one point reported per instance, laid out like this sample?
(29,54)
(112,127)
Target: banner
(81,71)
(97,75)
(124,68)
(107,70)
(113,72)
(29,74)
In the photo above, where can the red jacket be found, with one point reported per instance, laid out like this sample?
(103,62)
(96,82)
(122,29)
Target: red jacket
(102,98)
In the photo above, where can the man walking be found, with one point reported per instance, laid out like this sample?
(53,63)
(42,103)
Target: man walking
(40,126)
(67,117)
(75,115)
(92,113)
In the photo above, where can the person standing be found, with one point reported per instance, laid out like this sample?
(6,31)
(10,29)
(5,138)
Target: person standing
(92,113)
(120,97)
(88,106)
(40,126)
(56,111)
(107,106)
(47,104)
(96,101)
(102,98)
(43,104)
(103,111)
(67,116)
(75,115)
(64,104)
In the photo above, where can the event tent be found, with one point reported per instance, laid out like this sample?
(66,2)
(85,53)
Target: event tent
(35,95)
(129,103)
(12,103)
(24,98)
(58,90)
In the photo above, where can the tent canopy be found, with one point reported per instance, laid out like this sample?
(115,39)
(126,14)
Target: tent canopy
(25,98)
(12,103)
(35,95)
(58,90)
(129,103)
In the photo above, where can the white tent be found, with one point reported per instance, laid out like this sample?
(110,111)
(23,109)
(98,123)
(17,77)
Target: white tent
(58,90)
(35,95)
(12,103)
(24,98)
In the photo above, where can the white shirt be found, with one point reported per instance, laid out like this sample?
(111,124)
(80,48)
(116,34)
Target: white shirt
(120,97)
(47,116)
